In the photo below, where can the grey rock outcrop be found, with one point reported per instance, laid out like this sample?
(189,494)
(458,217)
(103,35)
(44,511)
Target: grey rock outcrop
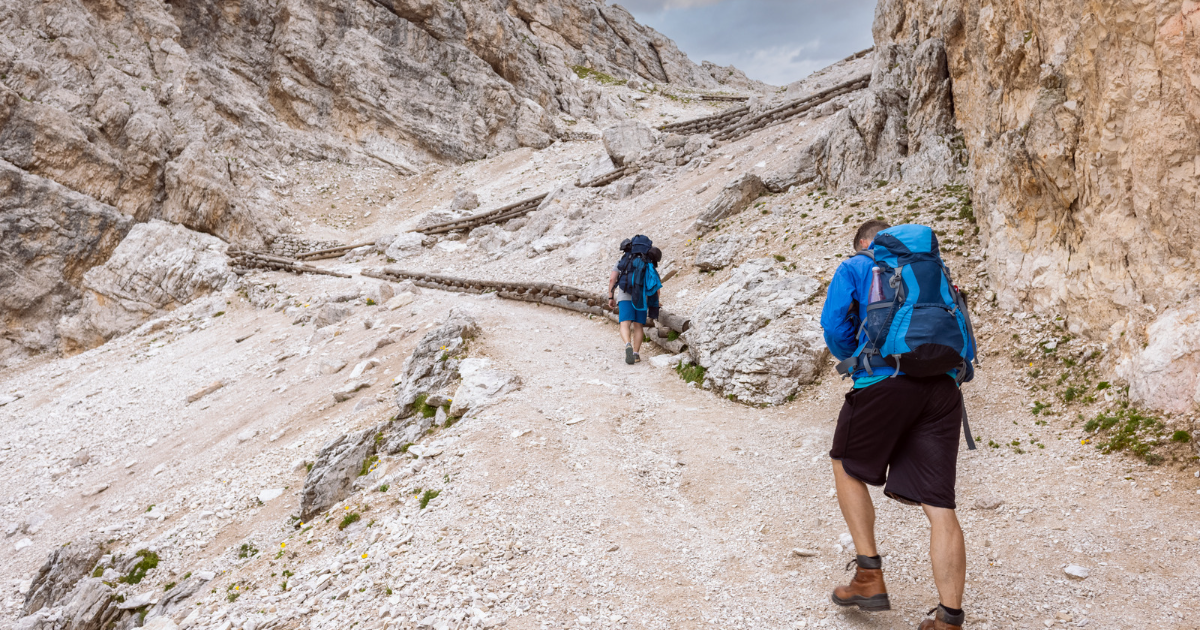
(734,198)
(627,141)
(720,251)
(63,569)
(158,266)
(1165,373)
(332,476)
(433,366)
(751,338)
(49,237)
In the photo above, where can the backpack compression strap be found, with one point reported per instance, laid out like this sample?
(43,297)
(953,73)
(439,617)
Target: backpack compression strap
(966,427)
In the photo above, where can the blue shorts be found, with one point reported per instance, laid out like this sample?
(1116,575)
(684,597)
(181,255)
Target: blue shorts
(626,313)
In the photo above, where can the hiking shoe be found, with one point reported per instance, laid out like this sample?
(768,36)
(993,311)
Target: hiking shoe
(637,358)
(629,355)
(866,590)
(942,620)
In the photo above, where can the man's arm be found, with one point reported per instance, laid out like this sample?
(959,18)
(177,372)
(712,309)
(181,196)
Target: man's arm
(841,332)
(612,283)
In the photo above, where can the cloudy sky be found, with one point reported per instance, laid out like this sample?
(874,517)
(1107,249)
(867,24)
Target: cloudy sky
(776,41)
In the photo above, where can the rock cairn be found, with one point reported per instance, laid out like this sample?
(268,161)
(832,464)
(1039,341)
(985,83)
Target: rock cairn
(244,261)
(499,215)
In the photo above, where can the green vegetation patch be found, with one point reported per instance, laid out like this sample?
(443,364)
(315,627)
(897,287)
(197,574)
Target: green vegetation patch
(693,373)
(584,72)
(348,520)
(1129,430)
(149,560)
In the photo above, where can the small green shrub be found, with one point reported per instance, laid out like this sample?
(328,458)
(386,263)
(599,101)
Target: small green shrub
(584,72)
(149,560)
(425,410)
(368,465)
(348,520)
(672,336)
(168,586)
(1039,407)
(693,373)
(779,257)
(247,551)
(383,488)
(219,313)
(370,302)
(1183,437)
(428,496)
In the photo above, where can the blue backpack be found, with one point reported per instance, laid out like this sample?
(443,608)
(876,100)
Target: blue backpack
(917,320)
(637,274)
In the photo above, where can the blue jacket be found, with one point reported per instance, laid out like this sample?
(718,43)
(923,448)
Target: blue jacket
(850,286)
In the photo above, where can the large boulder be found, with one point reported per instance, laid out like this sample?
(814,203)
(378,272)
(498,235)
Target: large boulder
(734,198)
(159,266)
(1165,374)
(627,141)
(752,338)
(405,245)
(464,200)
(720,251)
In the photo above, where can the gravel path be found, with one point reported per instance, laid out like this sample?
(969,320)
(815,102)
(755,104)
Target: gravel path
(598,495)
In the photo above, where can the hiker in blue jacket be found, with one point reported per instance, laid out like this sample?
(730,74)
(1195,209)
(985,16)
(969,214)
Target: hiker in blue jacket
(633,288)
(902,431)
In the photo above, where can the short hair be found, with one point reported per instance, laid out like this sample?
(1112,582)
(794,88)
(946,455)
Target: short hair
(868,230)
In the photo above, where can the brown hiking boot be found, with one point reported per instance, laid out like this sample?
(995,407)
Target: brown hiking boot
(866,590)
(942,620)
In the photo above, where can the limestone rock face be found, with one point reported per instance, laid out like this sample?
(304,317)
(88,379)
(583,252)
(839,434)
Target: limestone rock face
(899,128)
(49,237)
(182,111)
(158,266)
(720,252)
(751,338)
(734,198)
(1081,121)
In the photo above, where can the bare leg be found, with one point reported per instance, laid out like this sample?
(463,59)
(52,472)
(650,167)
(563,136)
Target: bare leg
(625,332)
(857,509)
(638,333)
(948,552)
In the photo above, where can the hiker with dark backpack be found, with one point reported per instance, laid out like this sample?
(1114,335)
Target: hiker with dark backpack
(901,330)
(633,291)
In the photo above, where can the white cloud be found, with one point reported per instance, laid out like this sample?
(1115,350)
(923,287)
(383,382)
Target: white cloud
(777,65)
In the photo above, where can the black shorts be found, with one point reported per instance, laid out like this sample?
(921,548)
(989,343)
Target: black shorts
(904,432)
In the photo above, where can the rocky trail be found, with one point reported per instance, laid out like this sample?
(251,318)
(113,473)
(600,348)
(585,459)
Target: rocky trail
(597,494)
(306,328)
